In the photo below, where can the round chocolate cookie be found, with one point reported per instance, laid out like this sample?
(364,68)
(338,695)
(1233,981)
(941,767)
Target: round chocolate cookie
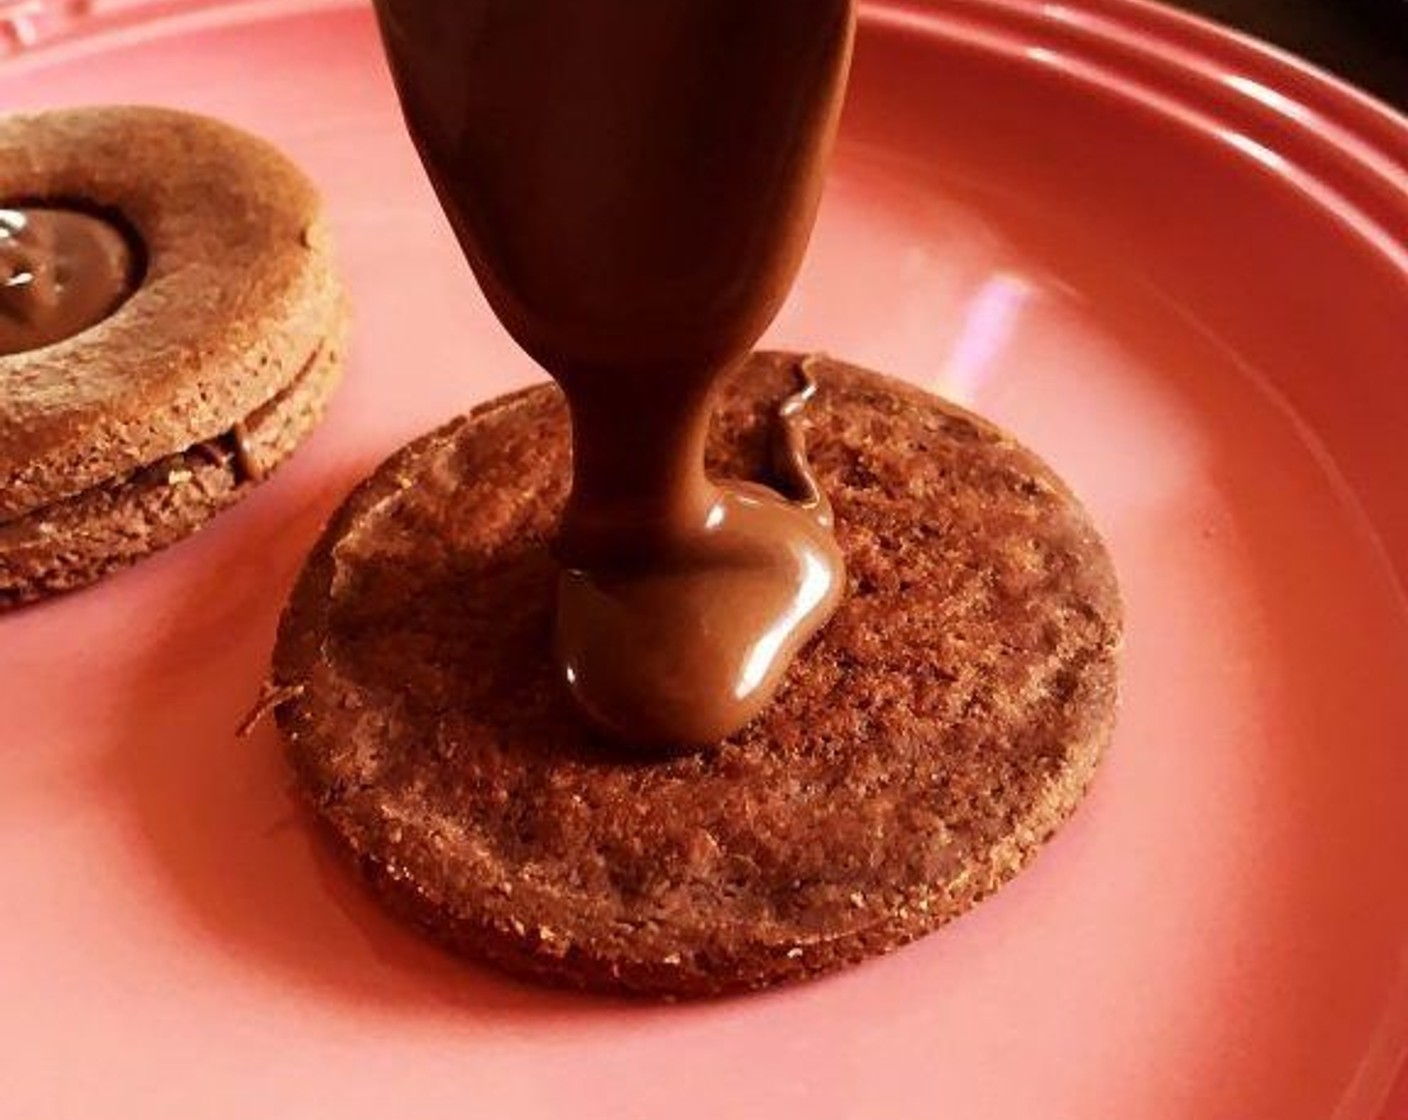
(922,749)
(132,416)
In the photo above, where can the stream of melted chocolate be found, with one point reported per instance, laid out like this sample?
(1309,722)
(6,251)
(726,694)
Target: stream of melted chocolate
(634,184)
(61,271)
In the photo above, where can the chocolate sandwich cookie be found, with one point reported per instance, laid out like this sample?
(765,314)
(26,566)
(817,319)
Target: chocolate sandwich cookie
(921,749)
(171,326)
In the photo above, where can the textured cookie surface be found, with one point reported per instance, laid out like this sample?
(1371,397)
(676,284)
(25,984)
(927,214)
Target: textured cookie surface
(922,749)
(76,541)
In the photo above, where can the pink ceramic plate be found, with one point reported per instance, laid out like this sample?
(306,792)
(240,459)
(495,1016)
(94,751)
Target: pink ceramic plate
(1175,263)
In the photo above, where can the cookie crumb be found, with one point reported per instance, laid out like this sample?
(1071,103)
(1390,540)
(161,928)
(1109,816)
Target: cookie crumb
(270,697)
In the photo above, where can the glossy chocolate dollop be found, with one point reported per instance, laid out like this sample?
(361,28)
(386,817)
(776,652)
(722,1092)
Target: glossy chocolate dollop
(690,643)
(634,185)
(61,272)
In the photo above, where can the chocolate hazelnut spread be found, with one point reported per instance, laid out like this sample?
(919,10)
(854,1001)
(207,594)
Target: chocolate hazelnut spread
(61,271)
(634,184)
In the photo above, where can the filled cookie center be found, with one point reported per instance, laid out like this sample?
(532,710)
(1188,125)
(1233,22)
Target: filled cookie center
(61,272)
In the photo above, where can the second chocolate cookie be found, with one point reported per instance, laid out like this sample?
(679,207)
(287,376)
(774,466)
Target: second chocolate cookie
(171,326)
